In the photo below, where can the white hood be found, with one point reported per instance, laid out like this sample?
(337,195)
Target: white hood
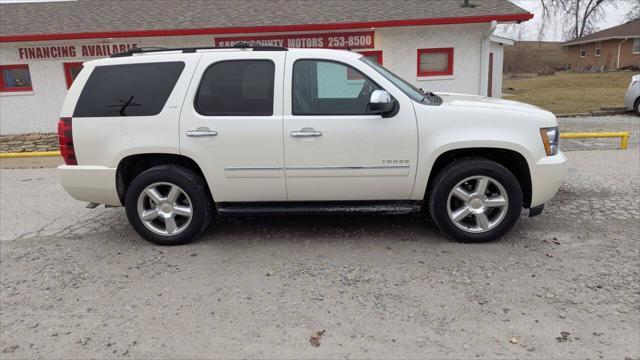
(482,102)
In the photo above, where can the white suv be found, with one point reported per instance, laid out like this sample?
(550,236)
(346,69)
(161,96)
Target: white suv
(177,135)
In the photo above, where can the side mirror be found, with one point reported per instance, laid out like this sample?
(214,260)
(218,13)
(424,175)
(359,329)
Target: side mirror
(381,103)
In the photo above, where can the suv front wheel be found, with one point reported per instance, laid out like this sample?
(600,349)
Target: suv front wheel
(475,200)
(168,205)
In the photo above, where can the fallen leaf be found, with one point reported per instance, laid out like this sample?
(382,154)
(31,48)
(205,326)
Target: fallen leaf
(564,336)
(315,338)
(514,340)
(10,349)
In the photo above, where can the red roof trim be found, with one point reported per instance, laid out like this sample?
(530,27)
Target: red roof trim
(264,29)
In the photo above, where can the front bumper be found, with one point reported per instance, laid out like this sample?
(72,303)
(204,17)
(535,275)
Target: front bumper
(547,177)
(94,184)
(631,96)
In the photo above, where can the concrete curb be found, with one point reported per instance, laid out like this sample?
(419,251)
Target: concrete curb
(595,113)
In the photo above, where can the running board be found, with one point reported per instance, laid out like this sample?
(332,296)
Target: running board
(319,207)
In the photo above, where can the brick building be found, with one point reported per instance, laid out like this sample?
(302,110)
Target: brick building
(614,48)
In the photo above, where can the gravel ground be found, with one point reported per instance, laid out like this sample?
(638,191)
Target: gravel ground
(79,283)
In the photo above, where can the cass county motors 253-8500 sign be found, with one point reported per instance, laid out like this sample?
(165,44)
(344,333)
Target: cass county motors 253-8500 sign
(343,40)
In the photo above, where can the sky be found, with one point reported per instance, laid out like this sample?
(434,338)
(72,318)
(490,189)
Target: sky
(613,16)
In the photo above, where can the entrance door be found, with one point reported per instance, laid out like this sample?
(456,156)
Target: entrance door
(334,148)
(490,86)
(231,124)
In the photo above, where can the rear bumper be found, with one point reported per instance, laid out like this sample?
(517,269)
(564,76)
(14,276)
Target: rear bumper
(547,177)
(96,184)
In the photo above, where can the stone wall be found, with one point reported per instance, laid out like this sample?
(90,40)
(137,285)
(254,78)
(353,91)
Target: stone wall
(29,142)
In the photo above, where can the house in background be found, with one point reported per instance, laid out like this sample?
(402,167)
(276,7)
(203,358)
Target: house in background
(436,45)
(614,48)
(530,57)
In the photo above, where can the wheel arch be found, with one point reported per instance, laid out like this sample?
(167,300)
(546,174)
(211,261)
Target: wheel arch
(131,166)
(514,161)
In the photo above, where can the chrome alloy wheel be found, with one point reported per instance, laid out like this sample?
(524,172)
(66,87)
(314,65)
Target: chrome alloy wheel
(477,204)
(165,208)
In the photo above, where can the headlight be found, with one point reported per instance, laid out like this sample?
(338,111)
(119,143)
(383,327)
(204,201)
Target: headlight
(550,139)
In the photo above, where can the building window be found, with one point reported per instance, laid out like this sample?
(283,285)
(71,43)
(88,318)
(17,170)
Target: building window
(374,55)
(583,51)
(636,46)
(15,78)
(435,62)
(598,49)
(71,71)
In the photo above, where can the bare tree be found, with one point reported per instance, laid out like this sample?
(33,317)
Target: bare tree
(634,12)
(578,17)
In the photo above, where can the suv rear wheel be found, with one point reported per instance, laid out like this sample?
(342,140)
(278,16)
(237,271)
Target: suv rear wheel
(475,200)
(168,205)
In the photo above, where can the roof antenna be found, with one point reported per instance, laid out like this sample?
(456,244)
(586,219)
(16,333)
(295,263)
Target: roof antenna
(467,4)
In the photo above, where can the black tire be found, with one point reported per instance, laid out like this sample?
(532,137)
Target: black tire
(452,175)
(636,106)
(190,183)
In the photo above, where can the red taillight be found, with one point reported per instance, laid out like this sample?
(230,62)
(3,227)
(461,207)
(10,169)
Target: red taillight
(65,137)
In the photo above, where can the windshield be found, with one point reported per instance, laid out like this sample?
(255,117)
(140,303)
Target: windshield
(407,88)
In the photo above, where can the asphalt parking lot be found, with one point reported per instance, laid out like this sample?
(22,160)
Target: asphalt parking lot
(80,283)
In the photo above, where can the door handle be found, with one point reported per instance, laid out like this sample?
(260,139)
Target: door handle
(201,132)
(306,132)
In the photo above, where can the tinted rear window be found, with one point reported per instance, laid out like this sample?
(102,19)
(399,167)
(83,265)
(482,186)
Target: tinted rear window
(237,88)
(128,90)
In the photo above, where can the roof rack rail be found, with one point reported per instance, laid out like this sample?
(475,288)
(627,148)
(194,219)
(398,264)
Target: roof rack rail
(240,45)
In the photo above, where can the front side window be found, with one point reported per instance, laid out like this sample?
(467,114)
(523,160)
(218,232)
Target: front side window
(15,78)
(636,46)
(435,62)
(128,90)
(237,88)
(330,88)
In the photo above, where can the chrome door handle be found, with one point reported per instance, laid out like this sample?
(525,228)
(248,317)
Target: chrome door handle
(306,132)
(201,132)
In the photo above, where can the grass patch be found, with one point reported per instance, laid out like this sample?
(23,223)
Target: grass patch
(570,92)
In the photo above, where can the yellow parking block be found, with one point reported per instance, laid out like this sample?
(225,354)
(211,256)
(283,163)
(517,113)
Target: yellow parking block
(624,136)
(30,154)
